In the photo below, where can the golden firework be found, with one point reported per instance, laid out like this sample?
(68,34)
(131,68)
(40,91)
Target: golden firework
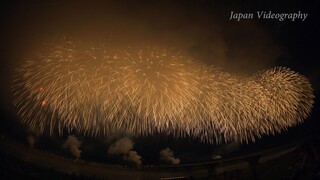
(143,90)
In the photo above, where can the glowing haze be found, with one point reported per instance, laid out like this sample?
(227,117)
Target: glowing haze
(142,90)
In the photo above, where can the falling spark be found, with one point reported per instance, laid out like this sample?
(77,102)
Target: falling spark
(146,90)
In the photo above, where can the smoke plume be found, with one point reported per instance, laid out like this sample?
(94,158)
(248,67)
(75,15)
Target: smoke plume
(31,140)
(73,144)
(134,157)
(168,156)
(32,136)
(124,146)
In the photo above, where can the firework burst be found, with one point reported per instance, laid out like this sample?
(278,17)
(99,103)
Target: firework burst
(143,90)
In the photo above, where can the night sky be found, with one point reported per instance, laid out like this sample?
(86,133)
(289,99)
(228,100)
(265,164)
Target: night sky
(201,29)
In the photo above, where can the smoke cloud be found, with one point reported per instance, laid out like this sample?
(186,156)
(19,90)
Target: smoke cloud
(168,156)
(226,149)
(124,146)
(134,157)
(32,136)
(31,140)
(73,144)
(216,156)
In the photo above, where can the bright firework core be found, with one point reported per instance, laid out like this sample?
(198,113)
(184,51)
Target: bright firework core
(144,90)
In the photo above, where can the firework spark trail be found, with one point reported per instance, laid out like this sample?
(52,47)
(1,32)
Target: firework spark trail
(140,91)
